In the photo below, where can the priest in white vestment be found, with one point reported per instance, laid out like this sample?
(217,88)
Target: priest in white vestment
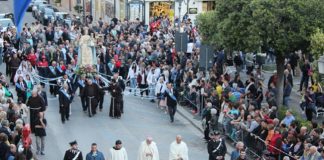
(148,150)
(118,152)
(178,150)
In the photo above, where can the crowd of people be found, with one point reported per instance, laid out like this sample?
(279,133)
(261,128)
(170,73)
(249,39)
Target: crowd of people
(127,54)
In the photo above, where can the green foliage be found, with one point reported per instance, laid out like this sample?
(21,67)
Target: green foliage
(317,43)
(57,1)
(78,8)
(207,24)
(298,117)
(247,25)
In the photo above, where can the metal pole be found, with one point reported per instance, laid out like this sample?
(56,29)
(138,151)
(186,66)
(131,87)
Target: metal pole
(180,3)
(188,7)
(143,12)
(91,7)
(115,8)
(83,8)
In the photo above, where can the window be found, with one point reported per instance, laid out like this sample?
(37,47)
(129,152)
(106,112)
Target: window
(208,6)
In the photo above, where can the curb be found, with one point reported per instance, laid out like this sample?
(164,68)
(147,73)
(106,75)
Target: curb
(182,113)
(185,114)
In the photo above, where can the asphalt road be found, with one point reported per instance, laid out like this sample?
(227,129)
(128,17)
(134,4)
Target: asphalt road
(141,119)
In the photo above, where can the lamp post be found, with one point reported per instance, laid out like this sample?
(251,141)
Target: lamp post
(321,67)
(83,8)
(179,7)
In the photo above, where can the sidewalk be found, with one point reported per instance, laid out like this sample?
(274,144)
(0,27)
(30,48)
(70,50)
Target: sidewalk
(196,122)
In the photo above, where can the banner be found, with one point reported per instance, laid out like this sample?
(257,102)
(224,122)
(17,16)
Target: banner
(20,7)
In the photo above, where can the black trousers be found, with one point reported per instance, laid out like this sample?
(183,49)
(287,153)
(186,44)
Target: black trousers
(143,86)
(13,72)
(304,82)
(53,88)
(172,111)
(65,112)
(101,100)
(83,103)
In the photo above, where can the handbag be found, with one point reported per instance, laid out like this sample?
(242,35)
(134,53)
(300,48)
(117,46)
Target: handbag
(162,103)
(310,72)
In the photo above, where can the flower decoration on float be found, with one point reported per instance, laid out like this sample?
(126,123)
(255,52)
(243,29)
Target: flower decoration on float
(87,70)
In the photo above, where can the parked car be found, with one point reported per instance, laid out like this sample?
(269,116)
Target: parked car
(61,18)
(7,15)
(47,15)
(35,2)
(5,23)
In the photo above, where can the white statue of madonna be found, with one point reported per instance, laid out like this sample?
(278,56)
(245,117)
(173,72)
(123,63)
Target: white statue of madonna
(87,50)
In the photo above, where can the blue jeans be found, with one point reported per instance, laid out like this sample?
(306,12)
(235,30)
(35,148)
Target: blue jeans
(133,84)
(152,91)
(286,99)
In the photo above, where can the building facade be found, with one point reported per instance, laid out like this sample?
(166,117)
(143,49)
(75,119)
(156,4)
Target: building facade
(142,9)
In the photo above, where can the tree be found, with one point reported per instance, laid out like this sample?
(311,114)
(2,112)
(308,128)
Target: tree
(317,43)
(284,25)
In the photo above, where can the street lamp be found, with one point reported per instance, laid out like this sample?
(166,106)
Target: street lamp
(321,66)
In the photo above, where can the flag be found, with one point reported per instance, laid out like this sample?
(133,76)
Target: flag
(20,7)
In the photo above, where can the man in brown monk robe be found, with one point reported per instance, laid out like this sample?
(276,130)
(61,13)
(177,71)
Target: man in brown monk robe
(116,99)
(36,104)
(91,93)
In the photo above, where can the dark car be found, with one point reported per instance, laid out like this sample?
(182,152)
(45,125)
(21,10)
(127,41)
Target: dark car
(7,15)
(35,2)
(47,15)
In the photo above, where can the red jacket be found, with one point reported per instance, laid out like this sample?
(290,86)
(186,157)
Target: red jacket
(42,64)
(276,141)
(118,64)
(32,58)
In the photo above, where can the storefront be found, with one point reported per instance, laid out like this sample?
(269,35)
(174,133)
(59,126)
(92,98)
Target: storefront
(172,9)
(161,9)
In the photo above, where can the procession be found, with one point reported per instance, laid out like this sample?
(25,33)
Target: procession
(165,86)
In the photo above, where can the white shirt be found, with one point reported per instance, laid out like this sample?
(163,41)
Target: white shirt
(120,154)
(159,88)
(178,151)
(190,47)
(1,42)
(131,73)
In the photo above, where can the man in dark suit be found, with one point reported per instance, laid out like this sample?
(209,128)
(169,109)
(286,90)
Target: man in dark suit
(100,84)
(171,97)
(21,88)
(81,84)
(65,101)
(100,67)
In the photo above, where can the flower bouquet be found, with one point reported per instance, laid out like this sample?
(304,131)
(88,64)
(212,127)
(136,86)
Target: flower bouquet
(87,70)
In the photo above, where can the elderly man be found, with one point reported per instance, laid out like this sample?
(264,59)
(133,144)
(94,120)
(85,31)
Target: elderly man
(313,153)
(178,149)
(238,148)
(288,118)
(148,150)
(36,104)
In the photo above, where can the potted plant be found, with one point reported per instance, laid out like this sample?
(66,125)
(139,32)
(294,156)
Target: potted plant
(78,8)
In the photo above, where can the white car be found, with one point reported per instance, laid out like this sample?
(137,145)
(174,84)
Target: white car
(5,23)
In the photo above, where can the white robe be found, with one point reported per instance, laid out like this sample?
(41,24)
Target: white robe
(120,154)
(148,149)
(178,151)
